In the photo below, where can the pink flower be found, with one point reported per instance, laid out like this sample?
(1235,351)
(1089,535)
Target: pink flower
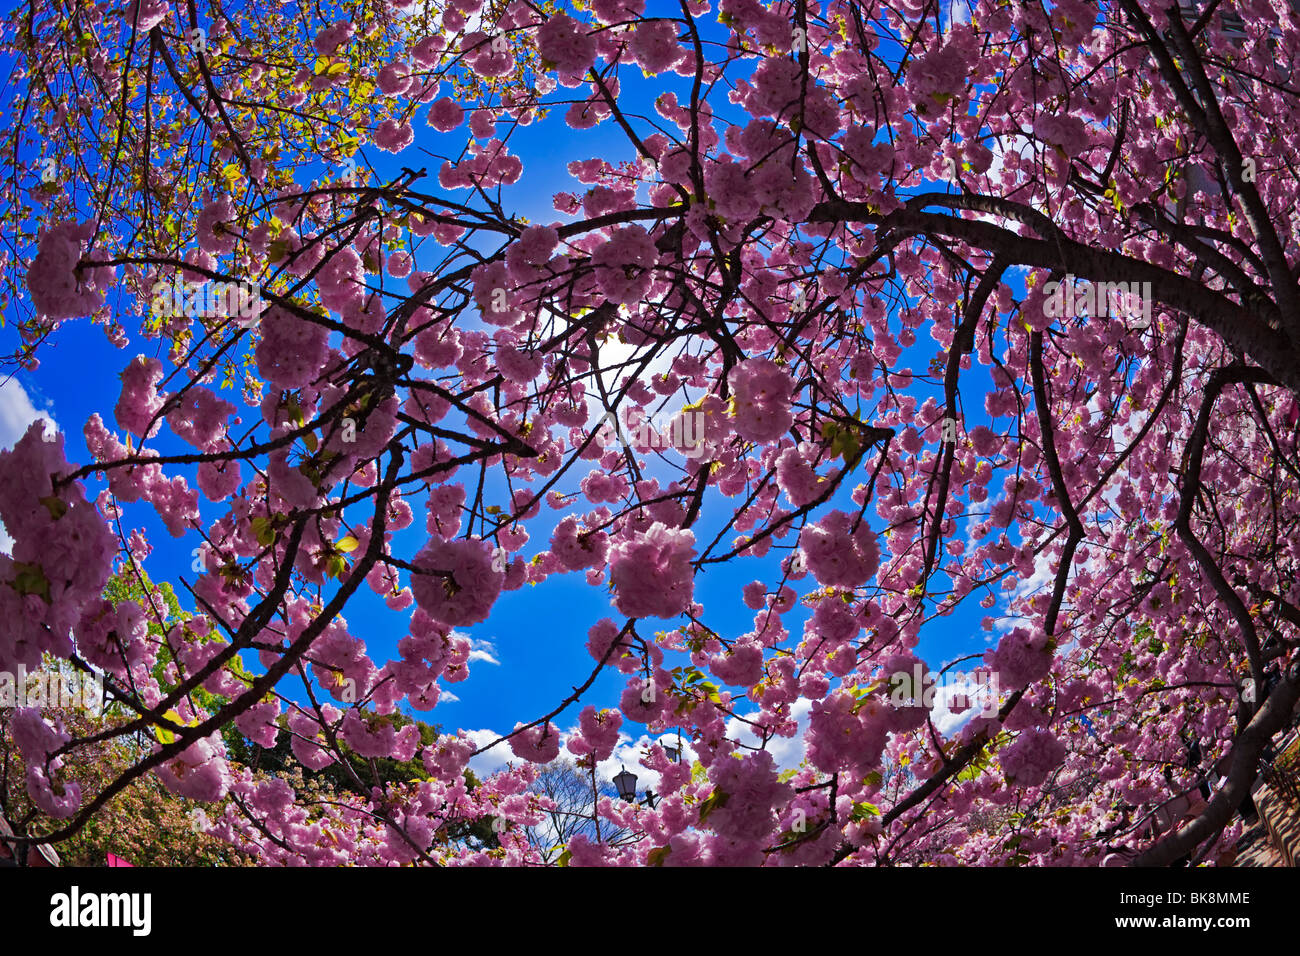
(623,265)
(796,478)
(837,556)
(598,733)
(147,14)
(654,45)
(576,550)
(340,281)
(394,78)
(539,744)
(488,56)
(535,244)
(617,11)
(1068,132)
(1028,759)
(400,264)
(482,123)
(307,735)
(517,366)
(425,53)
(742,666)
(34,736)
(465,586)
(1021,658)
(941,72)
(603,634)
(329,39)
(643,701)
(392,137)
(176,503)
(652,573)
(140,401)
(58,290)
(218,481)
(379,738)
(762,393)
(448,758)
(199,772)
(753,791)
(445,114)
(563,41)
(258,723)
(60,799)
(213,236)
(292,351)
(200,418)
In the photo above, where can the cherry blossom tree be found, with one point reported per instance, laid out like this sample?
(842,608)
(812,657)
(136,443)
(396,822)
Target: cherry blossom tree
(943,305)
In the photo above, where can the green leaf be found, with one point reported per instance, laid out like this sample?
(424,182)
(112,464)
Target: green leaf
(843,442)
(863,811)
(718,798)
(56,506)
(264,529)
(164,735)
(31,580)
(347,544)
(657,856)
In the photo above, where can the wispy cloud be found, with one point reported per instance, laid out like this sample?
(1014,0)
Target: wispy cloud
(483,651)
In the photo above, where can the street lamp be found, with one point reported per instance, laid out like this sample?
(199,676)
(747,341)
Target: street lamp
(625,781)
(673,751)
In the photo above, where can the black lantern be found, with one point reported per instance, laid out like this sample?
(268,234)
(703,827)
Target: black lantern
(625,781)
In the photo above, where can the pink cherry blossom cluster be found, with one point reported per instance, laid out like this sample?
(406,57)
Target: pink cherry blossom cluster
(60,287)
(762,393)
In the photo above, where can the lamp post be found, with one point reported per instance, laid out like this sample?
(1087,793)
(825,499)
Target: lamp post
(625,780)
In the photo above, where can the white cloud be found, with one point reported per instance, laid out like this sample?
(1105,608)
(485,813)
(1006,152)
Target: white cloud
(978,696)
(786,751)
(492,760)
(16,412)
(959,12)
(627,755)
(483,651)
(1017,143)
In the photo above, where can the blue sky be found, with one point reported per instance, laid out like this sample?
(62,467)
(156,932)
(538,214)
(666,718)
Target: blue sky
(531,652)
